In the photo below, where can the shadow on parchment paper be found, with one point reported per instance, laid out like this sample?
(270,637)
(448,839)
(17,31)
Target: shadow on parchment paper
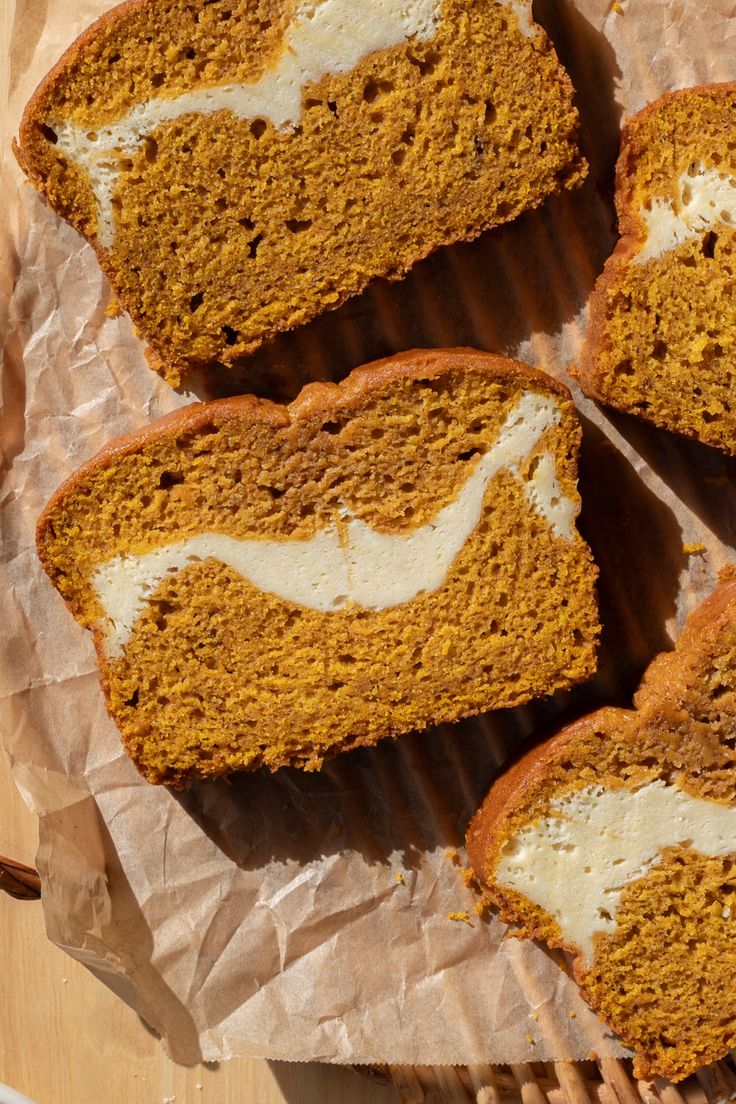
(74,832)
(636,541)
(392,803)
(590,60)
(703,478)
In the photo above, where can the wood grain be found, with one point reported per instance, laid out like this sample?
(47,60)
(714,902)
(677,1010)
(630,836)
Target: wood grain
(66,1039)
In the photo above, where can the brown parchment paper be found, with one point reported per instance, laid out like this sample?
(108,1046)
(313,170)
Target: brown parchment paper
(307,916)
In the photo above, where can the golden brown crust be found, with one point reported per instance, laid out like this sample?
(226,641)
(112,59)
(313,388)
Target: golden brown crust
(631,145)
(681,732)
(26,131)
(105,26)
(662,681)
(488,827)
(698,416)
(314,398)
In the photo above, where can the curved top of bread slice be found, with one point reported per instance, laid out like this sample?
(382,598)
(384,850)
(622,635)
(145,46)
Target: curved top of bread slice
(616,839)
(242,165)
(661,340)
(270,584)
(311,411)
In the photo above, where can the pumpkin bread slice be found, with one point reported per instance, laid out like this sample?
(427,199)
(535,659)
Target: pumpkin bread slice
(270,584)
(241,166)
(616,839)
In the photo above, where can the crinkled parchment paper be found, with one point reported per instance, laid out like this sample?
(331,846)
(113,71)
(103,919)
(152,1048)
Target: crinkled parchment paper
(307,916)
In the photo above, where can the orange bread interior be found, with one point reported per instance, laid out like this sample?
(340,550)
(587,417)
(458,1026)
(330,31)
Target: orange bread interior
(661,342)
(319,619)
(616,839)
(225,207)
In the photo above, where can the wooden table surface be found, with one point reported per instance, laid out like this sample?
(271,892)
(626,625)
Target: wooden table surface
(66,1039)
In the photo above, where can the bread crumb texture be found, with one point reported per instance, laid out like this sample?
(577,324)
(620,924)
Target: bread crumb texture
(661,342)
(228,230)
(218,675)
(664,977)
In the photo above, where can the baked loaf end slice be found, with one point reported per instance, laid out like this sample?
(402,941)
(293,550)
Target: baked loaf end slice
(662,336)
(268,585)
(616,839)
(242,165)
